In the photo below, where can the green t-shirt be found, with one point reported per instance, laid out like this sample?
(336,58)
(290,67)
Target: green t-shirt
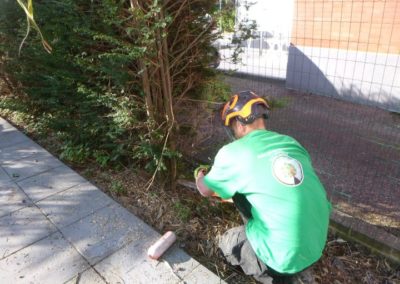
(290,211)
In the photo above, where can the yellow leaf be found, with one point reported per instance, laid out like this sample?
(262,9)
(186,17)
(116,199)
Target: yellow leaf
(28,9)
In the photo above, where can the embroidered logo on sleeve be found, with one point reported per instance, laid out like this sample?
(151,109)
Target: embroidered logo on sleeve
(287,170)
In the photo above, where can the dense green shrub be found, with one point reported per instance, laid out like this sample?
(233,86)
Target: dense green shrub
(107,90)
(86,92)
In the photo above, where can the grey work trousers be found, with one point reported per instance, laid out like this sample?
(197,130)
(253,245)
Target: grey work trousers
(237,250)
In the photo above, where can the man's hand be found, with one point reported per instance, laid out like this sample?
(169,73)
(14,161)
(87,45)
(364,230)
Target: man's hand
(203,169)
(199,174)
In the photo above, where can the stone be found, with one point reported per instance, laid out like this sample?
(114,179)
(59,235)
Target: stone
(202,275)
(51,260)
(12,198)
(105,231)
(30,166)
(11,137)
(20,151)
(50,182)
(22,228)
(3,175)
(73,204)
(86,277)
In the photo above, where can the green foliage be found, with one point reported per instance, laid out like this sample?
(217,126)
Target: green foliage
(88,95)
(226,16)
(75,153)
(86,92)
(118,188)
(241,31)
(215,89)
(245,31)
(276,103)
(183,212)
(155,155)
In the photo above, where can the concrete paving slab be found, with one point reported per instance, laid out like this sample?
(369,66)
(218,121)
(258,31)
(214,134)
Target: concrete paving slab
(131,264)
(50,182)
(149,271)
(73,204)
(5,126)
(51,260)
(22,228)
(202,275)
(20,151)
(119,266)
(87,277)
(11,137)
(3,175)
(106,231)
(12,198)
(30,166)
(180,262)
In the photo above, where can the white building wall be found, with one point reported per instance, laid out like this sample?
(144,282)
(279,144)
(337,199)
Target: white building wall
(363,77)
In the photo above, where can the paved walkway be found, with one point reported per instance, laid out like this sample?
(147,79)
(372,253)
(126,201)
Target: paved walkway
(56,227)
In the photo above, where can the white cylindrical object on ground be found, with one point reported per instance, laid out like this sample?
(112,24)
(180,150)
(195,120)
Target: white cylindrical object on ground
(160,246)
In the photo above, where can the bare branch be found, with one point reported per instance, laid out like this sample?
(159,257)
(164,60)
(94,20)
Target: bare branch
(159,161)
(189,47)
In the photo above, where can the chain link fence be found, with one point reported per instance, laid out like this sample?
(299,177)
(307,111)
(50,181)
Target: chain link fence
(332,70)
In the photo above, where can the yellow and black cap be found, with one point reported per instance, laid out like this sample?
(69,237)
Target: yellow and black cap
(244,106)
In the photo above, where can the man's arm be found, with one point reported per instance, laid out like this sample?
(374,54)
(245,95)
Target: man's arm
(201,187)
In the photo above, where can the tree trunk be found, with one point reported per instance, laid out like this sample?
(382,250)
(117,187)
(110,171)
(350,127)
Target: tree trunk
(158,87)
(147,91)
(163,61)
